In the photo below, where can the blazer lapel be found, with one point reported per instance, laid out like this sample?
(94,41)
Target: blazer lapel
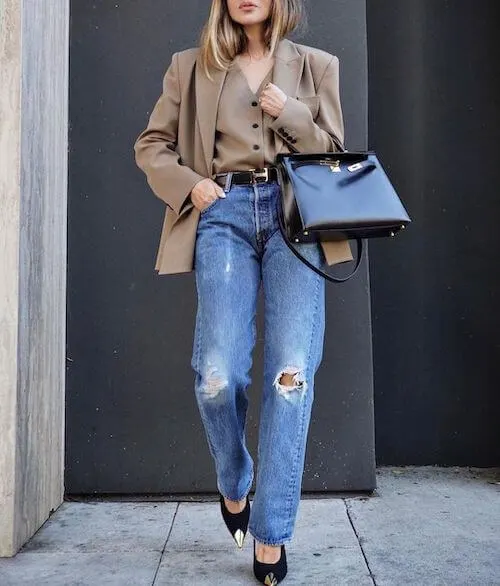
(287,71)
(207,101)
(288,67)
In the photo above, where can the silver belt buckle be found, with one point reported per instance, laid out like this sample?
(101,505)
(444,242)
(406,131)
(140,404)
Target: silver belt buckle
(259,174)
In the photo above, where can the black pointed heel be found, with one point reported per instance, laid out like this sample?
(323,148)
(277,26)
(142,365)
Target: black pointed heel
(270,574)
(237,523)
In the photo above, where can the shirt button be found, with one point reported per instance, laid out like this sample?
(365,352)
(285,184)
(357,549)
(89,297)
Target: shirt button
(254,103)
(256,147)
(255,125)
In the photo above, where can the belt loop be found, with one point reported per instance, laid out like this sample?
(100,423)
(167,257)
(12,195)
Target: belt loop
(229,181)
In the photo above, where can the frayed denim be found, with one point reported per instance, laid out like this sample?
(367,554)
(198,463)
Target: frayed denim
(239,247)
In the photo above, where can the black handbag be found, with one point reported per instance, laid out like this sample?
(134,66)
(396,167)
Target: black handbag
(336,195)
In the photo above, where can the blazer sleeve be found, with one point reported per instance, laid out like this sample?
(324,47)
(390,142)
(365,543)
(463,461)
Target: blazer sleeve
(325,133)
(155,148)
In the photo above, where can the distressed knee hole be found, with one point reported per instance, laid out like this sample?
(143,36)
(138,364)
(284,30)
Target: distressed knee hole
(290,381)
(212,384)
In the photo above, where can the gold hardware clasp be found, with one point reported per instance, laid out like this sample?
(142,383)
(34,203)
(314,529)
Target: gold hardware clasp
(259,174)
(334,165)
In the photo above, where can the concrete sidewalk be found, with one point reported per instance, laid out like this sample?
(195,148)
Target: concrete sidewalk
(423,526)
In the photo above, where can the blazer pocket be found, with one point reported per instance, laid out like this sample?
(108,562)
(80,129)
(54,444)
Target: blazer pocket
(312,102)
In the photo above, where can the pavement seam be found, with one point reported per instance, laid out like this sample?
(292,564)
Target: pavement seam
(165,544)
(359,541)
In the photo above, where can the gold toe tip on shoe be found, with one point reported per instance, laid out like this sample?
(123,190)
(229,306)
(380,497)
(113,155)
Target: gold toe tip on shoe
(239,537)
(270,580)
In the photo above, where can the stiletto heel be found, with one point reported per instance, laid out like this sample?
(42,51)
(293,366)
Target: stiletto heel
(237,523)
(270,574)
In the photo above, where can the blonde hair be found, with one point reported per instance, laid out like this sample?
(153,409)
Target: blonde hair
(222,38)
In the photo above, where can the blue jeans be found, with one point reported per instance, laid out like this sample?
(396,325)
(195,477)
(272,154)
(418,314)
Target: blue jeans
(238,246)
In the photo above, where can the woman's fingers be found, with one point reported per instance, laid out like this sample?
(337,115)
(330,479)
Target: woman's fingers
(205,192)
(272,99)
(219,192)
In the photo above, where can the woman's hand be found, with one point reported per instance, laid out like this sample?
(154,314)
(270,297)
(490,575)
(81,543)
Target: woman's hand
(205,192)
(272,99)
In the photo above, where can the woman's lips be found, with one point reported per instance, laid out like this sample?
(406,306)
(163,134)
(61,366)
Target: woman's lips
(247,6)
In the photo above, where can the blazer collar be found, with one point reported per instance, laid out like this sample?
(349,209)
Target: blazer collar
(288,67)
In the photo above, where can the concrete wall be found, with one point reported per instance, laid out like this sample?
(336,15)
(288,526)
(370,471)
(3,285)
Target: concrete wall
(10,66)
(33,188)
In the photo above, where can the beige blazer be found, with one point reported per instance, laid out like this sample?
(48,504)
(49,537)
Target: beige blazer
(175,151)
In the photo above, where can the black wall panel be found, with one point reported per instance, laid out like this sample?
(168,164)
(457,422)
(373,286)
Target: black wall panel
(435,122)
(132,422)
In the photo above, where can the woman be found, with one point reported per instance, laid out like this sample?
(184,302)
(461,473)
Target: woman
(227,108)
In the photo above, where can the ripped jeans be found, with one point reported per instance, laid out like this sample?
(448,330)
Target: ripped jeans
(238,246)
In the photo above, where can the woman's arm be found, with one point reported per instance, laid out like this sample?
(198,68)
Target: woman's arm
(297,127)
(154,148)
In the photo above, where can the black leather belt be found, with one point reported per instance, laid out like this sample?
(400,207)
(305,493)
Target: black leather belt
(263,175)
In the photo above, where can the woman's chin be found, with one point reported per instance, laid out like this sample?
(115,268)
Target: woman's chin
(249,19)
